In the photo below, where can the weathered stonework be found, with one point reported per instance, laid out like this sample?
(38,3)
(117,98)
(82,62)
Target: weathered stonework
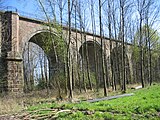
(15,73)
(3,63)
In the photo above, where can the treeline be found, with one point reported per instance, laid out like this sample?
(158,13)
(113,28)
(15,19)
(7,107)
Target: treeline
(131,56)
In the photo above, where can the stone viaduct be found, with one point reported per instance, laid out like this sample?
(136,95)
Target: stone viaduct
(16,31)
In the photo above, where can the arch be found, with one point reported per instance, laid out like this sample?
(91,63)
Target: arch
(116,55)
(91,50)
(44,39)
(32,33)
(90,41)
(38,38)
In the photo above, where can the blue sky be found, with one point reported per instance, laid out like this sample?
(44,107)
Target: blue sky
(28,6)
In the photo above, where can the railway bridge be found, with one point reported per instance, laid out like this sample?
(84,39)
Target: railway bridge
(16,31)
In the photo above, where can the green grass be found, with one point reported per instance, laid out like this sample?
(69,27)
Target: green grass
(145,104)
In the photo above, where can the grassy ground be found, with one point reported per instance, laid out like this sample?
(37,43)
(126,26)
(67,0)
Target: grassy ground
(12,103)
(145,104)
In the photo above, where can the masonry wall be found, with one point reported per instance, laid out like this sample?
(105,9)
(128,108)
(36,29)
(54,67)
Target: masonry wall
(15,77)
(3,63)
(14,59)
(11,71)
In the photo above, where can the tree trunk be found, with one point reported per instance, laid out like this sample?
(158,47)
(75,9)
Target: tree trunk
(68,54)
(95,49)
(122,3)
(102,52)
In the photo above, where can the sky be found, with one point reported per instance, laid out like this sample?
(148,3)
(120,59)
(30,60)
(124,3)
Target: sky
(27,8)
(22,5)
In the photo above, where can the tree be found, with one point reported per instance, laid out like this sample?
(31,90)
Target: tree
(122,35)
(68,52)
(102,52)
(152,35)
(110,42)
(95,47)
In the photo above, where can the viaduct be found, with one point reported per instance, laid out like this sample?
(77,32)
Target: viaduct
(16,31)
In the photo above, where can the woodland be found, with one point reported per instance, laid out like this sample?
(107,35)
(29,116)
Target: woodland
(61,91)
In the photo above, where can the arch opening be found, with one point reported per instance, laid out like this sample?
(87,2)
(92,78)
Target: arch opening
(90,52)
(116,64)
(42,61)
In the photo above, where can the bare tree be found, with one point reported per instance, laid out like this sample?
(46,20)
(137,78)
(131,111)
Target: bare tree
(122,5)
(95,47)
(102,52)
(68,52)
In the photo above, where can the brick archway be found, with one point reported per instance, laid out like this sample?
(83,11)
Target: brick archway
(41,38)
